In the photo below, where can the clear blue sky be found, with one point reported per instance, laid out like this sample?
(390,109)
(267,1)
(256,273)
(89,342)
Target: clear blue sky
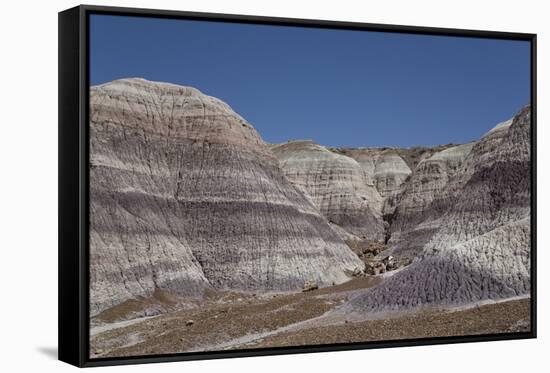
(337,87)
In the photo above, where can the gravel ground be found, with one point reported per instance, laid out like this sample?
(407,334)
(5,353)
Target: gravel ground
(234,320)
(503,317)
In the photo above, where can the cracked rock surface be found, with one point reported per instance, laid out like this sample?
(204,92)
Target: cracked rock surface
(185,195)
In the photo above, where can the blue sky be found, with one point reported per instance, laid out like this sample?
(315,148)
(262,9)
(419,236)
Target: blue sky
(337,87)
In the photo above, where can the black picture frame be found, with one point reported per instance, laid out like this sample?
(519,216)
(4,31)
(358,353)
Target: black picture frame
(74,188)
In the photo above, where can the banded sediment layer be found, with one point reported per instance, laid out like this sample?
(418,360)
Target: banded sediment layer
(337,185)
(185,195)
(477,237)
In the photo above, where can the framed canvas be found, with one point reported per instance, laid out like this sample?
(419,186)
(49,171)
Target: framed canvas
(235,186)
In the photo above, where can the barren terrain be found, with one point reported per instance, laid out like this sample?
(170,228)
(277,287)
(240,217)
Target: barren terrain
(204,237)
(231,320)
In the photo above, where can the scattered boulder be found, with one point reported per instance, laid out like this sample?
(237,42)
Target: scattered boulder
(403,262)
(386,264)
(375,268)
(522,325)
(365,249)
(390,263)
(189,322)
(310,286)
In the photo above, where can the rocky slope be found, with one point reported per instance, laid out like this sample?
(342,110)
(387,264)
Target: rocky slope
(385,169)
(184,194)
(422,200)
(478,246)
(389,169)
(355,188)
(337,185)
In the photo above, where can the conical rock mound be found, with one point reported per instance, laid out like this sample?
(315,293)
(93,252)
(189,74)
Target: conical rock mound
(337,185)
(184,194)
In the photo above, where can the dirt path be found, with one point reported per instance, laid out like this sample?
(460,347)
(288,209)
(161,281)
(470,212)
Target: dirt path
(494,318)
(239,321)
(219,320)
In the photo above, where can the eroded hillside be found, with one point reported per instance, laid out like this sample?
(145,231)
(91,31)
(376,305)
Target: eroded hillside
(185,195)
(476,229)
(194,219)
